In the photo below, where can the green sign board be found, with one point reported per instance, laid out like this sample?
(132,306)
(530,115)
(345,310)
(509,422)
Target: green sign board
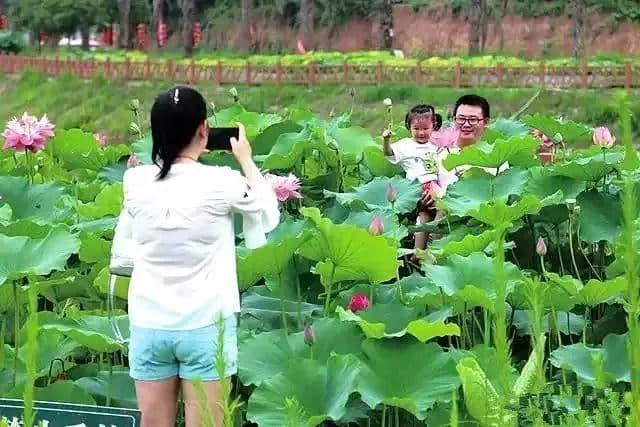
(53,414)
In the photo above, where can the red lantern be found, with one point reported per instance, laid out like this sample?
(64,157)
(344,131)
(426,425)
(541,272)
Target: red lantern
(3,22)
(142,39)
(196,34)
(162,34)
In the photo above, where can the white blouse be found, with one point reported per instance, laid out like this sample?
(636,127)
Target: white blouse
(179,233)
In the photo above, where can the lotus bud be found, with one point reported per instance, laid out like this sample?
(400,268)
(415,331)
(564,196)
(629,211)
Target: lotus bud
(332,113)
(577,210)
(541,247)
(213,106)
(359,302)
(134,128)
(571,204)
(309,335)
(234,93)
(387,102)
(392,194)
(602,137)
(377,226)
(352,92)
(134,104)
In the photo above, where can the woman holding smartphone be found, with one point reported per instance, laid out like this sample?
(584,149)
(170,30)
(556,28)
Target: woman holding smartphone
(177,230)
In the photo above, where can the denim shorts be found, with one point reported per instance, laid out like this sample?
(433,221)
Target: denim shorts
(156,354)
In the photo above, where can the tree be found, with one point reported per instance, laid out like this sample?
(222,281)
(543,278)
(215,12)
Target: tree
(188,8)
(477,27)
(158,16)
(245,24)
(386,24)
(124,12)
(306,17)
(578,9)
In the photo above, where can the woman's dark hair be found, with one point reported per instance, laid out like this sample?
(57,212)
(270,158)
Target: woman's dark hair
(419,110)
(175,117)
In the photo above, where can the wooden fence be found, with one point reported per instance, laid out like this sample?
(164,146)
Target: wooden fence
(582,76)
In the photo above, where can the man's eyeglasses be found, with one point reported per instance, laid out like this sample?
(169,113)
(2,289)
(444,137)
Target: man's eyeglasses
(473,121)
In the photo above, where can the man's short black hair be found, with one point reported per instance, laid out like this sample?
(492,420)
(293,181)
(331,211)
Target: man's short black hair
(475,101)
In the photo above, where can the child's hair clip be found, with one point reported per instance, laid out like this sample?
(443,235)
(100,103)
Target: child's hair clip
(176,99)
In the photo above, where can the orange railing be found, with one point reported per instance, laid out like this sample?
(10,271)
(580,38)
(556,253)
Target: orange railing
(582,76)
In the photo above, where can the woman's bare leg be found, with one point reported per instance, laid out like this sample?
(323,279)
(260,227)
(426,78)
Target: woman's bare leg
(158,401)
(192,404)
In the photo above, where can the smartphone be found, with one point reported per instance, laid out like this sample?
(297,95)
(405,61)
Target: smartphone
(220,138)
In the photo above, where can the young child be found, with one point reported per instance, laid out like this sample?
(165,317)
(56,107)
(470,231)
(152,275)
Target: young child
(417,156)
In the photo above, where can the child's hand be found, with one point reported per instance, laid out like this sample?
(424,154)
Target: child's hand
(387,133)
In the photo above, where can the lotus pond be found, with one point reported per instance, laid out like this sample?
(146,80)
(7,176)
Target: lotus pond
(523,311)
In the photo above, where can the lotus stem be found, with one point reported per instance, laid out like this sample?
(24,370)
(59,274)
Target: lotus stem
(573,256)
(16,328)
(384,416)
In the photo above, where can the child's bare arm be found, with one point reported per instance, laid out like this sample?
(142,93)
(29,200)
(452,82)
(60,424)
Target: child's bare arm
(386,142)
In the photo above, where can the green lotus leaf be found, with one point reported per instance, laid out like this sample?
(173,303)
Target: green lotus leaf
(590,166)
(470,244)
(290,148)
(142,150)
(271,259)
(566,322)
(393,320)
(346,252)
(596,366)
(379,165)
(227,116)
(116,387)
(264,142)
(267,354)
(6,213)
(417,289)
(508,127)
(600,217)
(305,393)
(21,255)
(471,278)
(392,228)
(543,184)
(113,173)
(121,288)
(499,215)
(100,227)
(373,195)
(255,123)
(259,303)
(51,345)
(517,151)
(94,332)
(352,141)
(64,392)
(108,203)
(35,202)
(407,374)
(480,397)
(597,292)
(485,357)
(480,187)
(572,132)
(80,150)
(94,249)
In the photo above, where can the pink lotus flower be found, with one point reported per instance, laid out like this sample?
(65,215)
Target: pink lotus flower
(392,193)
(603,138)
(377,226)
(286,187)
(132,162)
(445,138)
(101,138)
(28,133)
(359,302)
(309,335)
(541,247)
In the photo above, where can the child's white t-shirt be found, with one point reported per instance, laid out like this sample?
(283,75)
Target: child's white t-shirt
(419,161)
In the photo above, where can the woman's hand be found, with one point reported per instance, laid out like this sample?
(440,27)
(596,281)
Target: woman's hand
(240,147)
